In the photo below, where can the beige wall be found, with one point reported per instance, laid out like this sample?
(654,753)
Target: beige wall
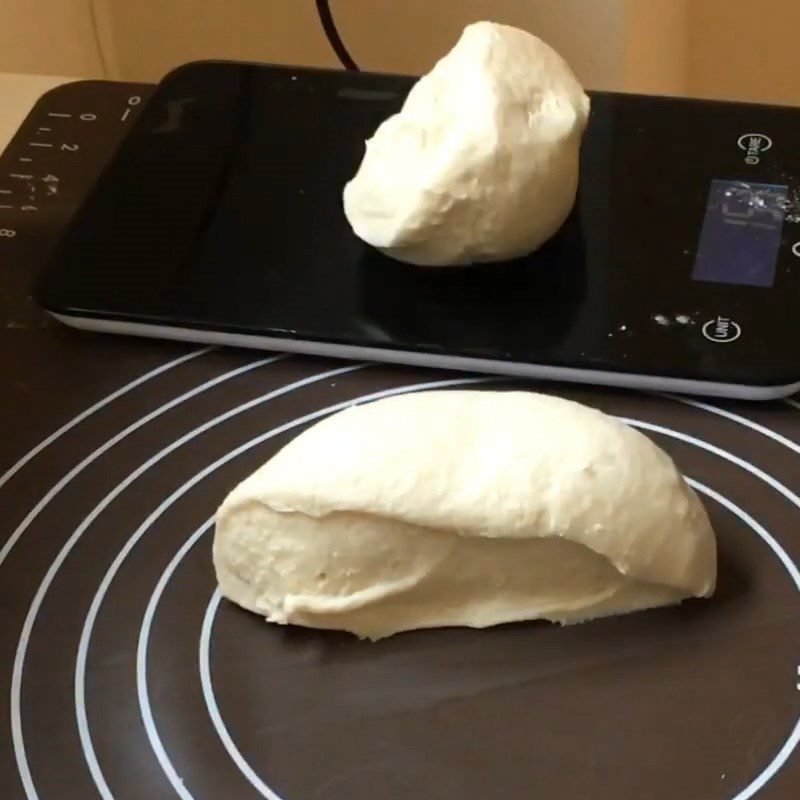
(410,36)
(745,50)
(656,46)
(143,39)
(639,45)
(715,48)
(151,36)
(55,37)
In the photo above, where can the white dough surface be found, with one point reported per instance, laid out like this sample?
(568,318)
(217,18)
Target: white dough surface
(462,508)
(481,164)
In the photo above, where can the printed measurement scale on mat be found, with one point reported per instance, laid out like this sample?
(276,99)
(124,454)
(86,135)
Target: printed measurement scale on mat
(54,159)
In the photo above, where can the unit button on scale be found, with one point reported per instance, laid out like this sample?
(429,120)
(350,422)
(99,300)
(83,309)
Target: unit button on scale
(49,166)
(722,330)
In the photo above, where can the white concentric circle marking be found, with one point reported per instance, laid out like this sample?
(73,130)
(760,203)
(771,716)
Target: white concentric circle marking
(739,420)
(94,608)
(266,792)
(141,659)
(753,470)
(56,435)
(83,647)
(204,666)
(117,438)
(718,451)
(142,688)
(33,610)
(141,664)
(204,658)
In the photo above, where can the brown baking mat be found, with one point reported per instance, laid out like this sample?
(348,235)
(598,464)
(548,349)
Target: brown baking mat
(125,677)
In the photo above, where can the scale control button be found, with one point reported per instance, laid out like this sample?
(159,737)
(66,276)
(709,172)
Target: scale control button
(796,249)
(722,330)
(754,146)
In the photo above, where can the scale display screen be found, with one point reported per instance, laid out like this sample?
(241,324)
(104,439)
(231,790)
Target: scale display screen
(741,233)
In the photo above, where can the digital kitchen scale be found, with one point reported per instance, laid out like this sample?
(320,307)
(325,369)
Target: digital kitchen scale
(219,220)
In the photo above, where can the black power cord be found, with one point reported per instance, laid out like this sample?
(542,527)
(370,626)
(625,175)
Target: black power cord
(329,26)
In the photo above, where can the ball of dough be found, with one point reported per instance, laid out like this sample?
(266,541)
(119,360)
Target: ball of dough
(462,508)
(481,163)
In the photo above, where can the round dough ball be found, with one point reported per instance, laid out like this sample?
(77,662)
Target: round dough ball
(481,164)
(464,508)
